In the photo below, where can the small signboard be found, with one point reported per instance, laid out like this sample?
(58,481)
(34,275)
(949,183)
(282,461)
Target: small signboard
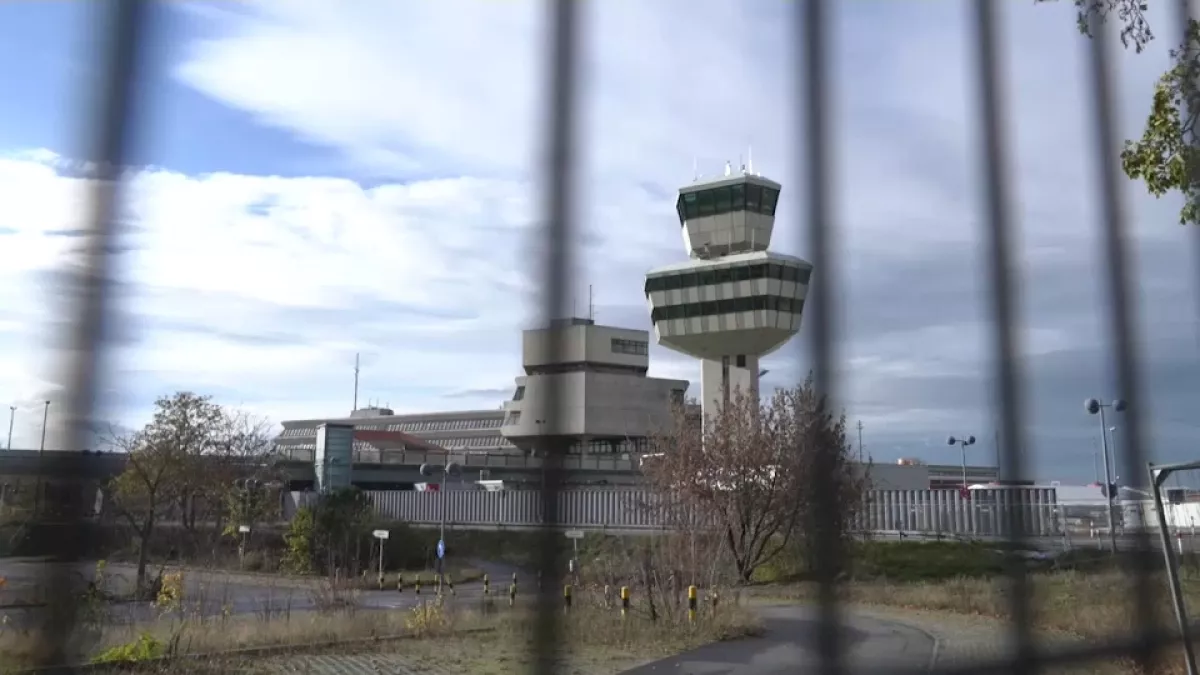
(243,528)
(380,534)
(441,549)
(964,493)
(574,534)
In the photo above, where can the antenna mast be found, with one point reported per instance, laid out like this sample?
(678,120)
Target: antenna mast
(860,453)
(591,305)
(355,382)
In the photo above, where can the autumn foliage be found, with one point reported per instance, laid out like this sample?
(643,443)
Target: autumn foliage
(749,471)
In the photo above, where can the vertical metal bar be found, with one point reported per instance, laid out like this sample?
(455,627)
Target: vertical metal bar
(814,34)
(1157,477)
(1003,296)
(89,289)
(559,176)
(1120,272)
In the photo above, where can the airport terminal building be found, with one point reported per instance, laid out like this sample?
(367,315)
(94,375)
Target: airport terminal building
(612,406)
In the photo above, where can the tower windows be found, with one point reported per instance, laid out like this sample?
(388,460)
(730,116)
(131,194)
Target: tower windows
(727,199)
(708,277)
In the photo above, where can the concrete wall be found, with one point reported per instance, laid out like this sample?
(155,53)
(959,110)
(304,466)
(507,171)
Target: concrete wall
(592,404)
(583,342)
(897,477)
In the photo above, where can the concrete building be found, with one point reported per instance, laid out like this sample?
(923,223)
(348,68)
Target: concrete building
(466,430)
(606,403)
(612,406)
(733,301)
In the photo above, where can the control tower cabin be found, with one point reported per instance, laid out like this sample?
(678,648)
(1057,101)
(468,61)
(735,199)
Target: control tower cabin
(734,301)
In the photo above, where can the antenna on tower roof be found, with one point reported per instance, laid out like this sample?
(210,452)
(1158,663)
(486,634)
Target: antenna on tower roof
(728,169)
(695,168)
(750,160)
(591,305)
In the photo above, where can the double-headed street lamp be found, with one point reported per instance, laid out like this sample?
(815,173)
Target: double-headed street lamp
(962,443)
(1093,407)
(447,470)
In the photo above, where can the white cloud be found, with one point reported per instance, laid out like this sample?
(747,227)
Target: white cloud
(262,288)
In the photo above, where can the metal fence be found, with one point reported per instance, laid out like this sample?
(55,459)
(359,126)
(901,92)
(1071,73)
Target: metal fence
(983,513)
(124,48)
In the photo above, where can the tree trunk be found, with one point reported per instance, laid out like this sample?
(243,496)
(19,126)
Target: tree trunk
(143,559)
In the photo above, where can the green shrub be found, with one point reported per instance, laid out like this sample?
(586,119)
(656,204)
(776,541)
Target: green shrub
(145,648)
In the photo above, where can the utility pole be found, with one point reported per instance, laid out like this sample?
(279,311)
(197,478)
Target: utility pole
(355,383)
(860,450)
(12,415)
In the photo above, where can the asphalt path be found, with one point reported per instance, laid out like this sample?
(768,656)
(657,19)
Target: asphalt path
(789,645)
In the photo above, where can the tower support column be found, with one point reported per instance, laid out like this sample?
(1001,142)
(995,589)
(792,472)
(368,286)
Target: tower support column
(722,378)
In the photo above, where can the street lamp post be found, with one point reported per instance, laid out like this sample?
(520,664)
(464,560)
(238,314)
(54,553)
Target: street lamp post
(247,487)
(962,443)
(12,415)
(1093,407)
(37,499)
(447,470)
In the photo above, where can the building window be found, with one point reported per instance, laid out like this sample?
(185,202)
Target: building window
(635,347)
(752,303)
(772,270)
(727,199)
(520,394)
(741,360)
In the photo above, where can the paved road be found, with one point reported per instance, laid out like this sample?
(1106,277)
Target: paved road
(789,646)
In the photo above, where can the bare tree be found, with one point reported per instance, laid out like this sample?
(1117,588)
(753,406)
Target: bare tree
(745,472)
(145,492)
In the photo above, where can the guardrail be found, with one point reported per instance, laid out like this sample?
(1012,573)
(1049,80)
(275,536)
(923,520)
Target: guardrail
(980,514)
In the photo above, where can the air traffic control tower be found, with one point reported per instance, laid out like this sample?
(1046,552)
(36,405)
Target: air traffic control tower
(733,301)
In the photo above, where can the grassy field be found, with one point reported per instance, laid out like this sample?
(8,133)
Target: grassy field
(596,638)
(1085,596)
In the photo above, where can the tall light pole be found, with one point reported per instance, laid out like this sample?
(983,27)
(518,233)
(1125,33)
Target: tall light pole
(962,443)
(12,415)
(447,470)
(1093,407)
(37,499)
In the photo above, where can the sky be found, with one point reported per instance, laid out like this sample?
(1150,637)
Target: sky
(317,180)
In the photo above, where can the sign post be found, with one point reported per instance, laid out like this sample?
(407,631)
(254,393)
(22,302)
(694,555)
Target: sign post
(243,530)
(382,536)
(574,536)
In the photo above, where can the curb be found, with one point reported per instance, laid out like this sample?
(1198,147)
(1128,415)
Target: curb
(246,652)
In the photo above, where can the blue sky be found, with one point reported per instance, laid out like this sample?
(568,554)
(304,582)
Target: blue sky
(319,181)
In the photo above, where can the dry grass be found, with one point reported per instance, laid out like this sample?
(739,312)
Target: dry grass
(483,642)
(1095,608)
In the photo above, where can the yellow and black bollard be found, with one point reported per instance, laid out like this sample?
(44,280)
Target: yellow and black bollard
(487,586)
(512,595)
(567,598)
(691,603)
(417,585)
(399,583)
(714,597)
(624,601)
